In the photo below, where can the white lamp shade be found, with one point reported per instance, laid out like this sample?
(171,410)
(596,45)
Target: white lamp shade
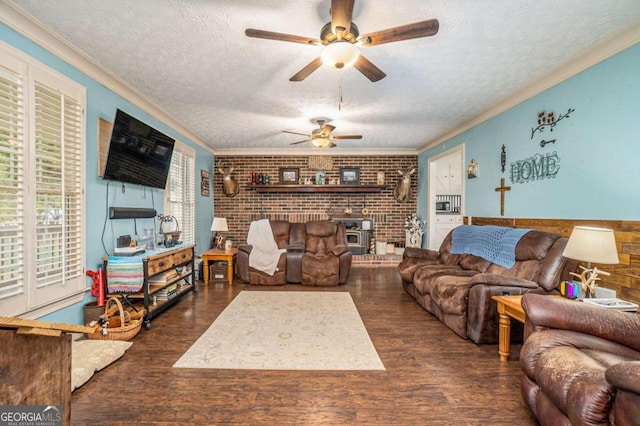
(340,54)
(219,224)
(589,244)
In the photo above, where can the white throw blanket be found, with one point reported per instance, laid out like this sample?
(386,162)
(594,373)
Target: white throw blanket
(265,253)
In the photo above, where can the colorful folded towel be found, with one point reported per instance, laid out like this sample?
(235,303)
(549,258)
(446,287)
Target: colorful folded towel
(124,274)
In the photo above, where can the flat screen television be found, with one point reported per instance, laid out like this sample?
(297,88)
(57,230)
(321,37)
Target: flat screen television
(138,153)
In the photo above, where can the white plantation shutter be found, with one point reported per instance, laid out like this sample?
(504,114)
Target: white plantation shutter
(41,188)
(180,191)
(11,184)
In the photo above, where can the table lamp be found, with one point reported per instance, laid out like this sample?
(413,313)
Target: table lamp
(590,244)
(219,225)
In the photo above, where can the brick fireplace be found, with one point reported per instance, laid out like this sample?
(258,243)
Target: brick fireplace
(385,212)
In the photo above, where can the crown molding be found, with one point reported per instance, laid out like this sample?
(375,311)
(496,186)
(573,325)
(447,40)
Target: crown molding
(20,21)
(592,56)
(317,151)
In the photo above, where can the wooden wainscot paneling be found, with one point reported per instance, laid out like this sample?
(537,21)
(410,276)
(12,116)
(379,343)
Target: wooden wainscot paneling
(625,276)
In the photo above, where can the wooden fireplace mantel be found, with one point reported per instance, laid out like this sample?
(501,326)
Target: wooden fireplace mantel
(291,188)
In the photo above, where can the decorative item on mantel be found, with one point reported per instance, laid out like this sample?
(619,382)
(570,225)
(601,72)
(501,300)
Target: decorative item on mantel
(413,230)
(349,176)
(402,191)
(320,162)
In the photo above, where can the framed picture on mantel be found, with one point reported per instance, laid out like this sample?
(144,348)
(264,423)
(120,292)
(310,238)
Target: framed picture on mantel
(349,176)
(289,175)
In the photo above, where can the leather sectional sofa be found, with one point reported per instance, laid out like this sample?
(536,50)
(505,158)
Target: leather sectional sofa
(457,288)
(316,254)
(581,363)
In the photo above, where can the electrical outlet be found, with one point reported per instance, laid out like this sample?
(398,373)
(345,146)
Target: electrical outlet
(605,293)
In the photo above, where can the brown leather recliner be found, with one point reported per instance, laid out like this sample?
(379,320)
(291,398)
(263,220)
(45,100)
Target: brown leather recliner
(581,363)
(286,235)
(327,258)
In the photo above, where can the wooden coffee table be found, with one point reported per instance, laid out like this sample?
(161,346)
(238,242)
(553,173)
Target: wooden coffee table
(509,307)
(228,256)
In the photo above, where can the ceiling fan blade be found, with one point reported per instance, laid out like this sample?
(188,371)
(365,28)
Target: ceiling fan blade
(403,32)
(341,13)
(306,71)
(347,137)
(369,70)
(250,32)
(330,145)
(296,143)
(296,133)
(326,129)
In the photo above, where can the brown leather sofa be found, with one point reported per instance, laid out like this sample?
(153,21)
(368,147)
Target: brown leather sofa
(317,254)
(581,363)
(457,288)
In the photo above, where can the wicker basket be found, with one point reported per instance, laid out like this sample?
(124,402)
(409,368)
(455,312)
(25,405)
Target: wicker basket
(124,332)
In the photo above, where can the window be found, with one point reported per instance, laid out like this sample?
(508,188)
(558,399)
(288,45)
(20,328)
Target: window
(180,191)
(42,143)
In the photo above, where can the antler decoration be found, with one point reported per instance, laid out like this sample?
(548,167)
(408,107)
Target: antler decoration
(588,277)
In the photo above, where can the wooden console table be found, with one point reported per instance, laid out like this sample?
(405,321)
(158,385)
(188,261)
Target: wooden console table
(169,274)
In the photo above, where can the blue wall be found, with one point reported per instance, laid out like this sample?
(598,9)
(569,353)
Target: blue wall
(102,103)
(598,146)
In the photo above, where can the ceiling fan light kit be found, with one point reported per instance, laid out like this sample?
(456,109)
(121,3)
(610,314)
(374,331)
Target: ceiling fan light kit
(321,142)
(340,54)
(341,38)
(321,137)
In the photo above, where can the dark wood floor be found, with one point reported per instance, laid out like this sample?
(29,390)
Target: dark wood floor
(432,376)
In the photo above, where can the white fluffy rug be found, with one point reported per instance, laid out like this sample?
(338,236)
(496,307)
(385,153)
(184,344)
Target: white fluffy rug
(285,330)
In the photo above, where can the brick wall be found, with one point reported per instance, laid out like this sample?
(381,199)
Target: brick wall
(249,205)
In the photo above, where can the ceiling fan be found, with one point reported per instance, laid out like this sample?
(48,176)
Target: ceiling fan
(321,137)
(342,38)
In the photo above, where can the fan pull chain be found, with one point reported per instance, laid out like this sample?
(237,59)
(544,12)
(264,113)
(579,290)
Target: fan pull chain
(340,95)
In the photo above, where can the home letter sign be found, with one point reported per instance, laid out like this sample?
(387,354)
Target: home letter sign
(537,167)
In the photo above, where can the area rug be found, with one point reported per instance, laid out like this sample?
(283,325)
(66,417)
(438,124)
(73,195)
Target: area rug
(285,330)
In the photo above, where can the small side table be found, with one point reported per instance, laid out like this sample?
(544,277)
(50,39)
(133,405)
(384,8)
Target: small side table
(509,307)
(228,256)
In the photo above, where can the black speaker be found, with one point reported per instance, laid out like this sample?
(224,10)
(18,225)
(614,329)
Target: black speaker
(130,213)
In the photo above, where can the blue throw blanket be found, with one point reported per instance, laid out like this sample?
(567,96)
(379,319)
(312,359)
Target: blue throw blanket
(496,244)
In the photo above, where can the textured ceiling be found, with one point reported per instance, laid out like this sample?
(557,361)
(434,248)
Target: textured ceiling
(191,58)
